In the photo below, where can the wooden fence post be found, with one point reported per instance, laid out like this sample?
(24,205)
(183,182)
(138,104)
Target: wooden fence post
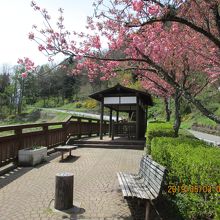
(65,126)
(46,137)
(79,128)
(90,127)
(18,133)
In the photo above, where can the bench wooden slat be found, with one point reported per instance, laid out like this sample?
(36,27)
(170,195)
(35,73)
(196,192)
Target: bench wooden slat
(149,175)
(157,179)
(150,171)
(155,175)
(130,184)
(152,190)
(133,187)
(146,184)
(155,185)
(147,190)
(147,165)
(154,165)
(125,190)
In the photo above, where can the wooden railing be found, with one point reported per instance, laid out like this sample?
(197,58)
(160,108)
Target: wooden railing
(121,129)
(45,134)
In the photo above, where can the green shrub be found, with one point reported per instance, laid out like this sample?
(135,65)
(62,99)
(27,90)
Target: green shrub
(190,162)
(78,105)
(90,103)
(158,129)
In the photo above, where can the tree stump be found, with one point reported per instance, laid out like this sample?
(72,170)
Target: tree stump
(64,191)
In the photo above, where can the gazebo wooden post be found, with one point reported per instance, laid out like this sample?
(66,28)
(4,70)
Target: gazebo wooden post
(137,118)
(117,116)
(129,115)
(146,116)
(101,120)
(110,123)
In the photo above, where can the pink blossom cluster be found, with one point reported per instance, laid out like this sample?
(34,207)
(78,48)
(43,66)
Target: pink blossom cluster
(56,40)
(41,47)
(149,82)
(153,9)
(26,66)
(31,36)
(137,5)
(95,42)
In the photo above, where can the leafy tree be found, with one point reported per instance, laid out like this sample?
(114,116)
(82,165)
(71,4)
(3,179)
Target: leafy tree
(22,71)
(4,82)
(6,91)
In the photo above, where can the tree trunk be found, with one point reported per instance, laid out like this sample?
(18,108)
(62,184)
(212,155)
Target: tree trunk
(19,107)
(177,122)
(20,102)
(200,107)
(63,99)
(167,109)
(44,105)
(10,106)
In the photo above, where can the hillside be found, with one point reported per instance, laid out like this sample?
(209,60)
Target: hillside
(210,98)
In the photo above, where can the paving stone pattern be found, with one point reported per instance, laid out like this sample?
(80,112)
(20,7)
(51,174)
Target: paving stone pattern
(27,193)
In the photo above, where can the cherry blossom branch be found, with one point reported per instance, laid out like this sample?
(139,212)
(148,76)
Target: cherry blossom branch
(180,20)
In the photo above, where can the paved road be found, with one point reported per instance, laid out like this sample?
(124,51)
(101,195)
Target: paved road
(206,137)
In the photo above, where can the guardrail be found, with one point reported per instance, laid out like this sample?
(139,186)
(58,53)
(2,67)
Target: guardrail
(44,134)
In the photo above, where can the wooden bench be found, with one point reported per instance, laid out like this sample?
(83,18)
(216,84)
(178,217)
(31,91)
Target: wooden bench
(65,148)
(146,184)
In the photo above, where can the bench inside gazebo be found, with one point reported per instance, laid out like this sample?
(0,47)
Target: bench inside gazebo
(131,102)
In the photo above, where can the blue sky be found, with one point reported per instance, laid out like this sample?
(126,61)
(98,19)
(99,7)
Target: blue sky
(17,18)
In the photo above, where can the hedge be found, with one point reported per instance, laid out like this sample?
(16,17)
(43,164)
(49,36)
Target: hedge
(190,162)
(158,129)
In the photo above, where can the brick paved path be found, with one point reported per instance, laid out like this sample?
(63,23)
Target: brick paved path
(27,193)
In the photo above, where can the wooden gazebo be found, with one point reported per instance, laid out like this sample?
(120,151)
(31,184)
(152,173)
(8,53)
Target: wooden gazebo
(131,101)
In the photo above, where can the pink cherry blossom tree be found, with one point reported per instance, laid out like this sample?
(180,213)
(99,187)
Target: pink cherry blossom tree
(24,68)
(171,54)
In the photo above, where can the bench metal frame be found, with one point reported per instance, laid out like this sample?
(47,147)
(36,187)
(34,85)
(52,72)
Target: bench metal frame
(146,184)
